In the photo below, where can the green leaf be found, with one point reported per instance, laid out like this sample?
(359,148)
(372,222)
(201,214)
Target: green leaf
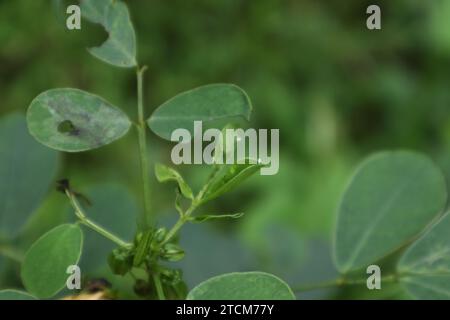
(227,178)
(164,173)
(206,217)
(210,104)
(73,120)
(46,262)
(425,267)
(120,48)
(391,198)
(26,171)
(11,294)
(242,286)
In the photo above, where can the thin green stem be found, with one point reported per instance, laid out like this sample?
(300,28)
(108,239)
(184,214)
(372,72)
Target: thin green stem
(143,152)
(173,231)
(158,286)
(181,221)
(91,224)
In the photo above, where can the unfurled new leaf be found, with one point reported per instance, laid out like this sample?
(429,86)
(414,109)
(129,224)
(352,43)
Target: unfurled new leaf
(227,178)
(206,217)
(211,104)
(424,268)
(242,286)
(120,48)
(164,173)
(44,270)
(392,197)
(73,120)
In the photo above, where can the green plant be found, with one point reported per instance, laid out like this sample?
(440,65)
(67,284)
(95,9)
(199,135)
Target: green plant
(390,214)
(71,120)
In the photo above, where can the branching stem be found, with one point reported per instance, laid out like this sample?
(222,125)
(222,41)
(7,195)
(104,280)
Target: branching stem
(196,202)
(181,221)
(91,224)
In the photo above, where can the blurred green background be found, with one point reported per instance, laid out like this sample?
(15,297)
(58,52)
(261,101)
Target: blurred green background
(336,90)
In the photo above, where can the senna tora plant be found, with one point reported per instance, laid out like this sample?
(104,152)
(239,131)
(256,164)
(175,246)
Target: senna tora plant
(392,214)
(72,120)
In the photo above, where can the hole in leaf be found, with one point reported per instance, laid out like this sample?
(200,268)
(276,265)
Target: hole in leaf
(68,127)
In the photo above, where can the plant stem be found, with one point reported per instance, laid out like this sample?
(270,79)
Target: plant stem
(194,204)
(340,282)
(91,224)
(181,221)
(105,233)
(11,253)
(142,139)
(158,286)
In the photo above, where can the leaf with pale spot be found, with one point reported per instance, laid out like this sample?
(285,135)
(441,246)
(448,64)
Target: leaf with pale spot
(72,120)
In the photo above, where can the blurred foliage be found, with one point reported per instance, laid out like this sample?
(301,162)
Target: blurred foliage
(336,90)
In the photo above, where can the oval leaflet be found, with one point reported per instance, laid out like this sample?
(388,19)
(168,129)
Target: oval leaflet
(72,120)
(44,267)
(242,286)
(212,104)
(388,190)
